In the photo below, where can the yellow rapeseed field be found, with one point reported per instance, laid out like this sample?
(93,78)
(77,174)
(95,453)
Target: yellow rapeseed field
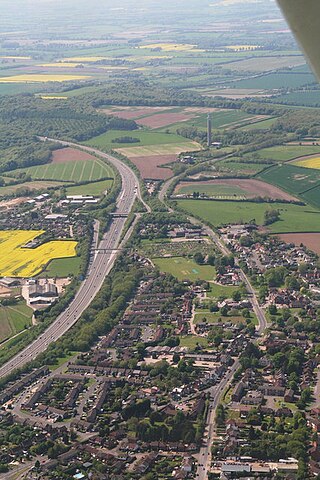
(16,261)
(309,163)
(35,78)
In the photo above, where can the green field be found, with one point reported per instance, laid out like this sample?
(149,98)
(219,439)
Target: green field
(79,171)
(192,341)
(264,124)
(14,319)
(95,188)
(276,80)
(211,190)
(242,167)
(216,291)
(293,218)
(306,98)
(293,179)
(146,138)
(220,119)
(284,153)
(62,268)
(184,268)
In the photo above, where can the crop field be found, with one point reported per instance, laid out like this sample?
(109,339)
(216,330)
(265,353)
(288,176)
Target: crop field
(31,186)
(94,188)
(146,138)
(312,196)
(293,218)
(310,240)
(262,64)
(41,78)
(185,268)
(74,171)
(306,98)
(276,80)
(17,261)
(235,187)
(151,150)
(14,319)
(292,178)
(283,153)
(151,167)
(135,112)
(311,162)
(68,154)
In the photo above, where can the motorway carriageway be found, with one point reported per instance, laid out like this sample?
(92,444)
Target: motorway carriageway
(100,267)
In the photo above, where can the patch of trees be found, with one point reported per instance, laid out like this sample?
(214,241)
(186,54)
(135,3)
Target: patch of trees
(271,216)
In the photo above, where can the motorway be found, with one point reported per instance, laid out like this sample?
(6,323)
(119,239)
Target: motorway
(100,265)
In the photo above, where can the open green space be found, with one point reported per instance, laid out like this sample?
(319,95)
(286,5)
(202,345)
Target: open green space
(14,319)
(62,268)
(184,268)
(146,138)
(193,341)
(262,125)
(79,171)
(217,291)
(307,98)
(94,188)
(293,218)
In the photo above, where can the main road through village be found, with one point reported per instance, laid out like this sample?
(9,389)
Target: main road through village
(101,263)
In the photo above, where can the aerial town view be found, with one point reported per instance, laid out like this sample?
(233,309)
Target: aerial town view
(159,240)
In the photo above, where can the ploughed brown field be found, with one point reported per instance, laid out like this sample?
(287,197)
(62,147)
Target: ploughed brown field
(253,188)
(163,119)
(69,154)
(132,113)
(310,240)
(150,167)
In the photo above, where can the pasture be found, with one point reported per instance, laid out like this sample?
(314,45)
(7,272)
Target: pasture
(283,153)
(94,188)
(240,166)
(184,268)
(62,268)
(18,261)
(293,218)
(14,319)
(28,186)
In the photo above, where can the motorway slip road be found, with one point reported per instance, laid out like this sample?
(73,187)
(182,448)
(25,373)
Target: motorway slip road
(101,265)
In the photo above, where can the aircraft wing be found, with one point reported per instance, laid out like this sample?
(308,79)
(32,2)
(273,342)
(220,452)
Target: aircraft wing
(303,17)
